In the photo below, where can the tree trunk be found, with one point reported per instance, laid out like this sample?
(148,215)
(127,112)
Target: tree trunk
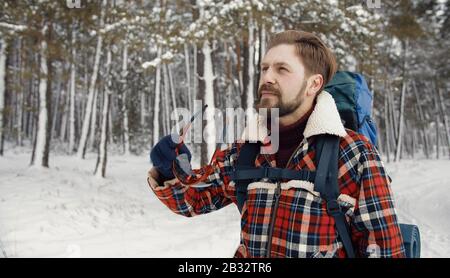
(143,109)
(402,104)
(33,136)
(111,114)
(43,119)
(251,65)
(437,136)
(56,107)
(33,114)
(262,52)
(48,102)
(202,148)
(156,115)
(28,103)
(20,100)
(239,71)
(423,122)
(407,138)
(188,76)
(199,91)
(20,115)
(414,142)
(195,70)
(166,107)
(65,116)
(126,133)
(93,124)
(392,137)
(72,97)
(88,111)
(228,100)
(208,77)
(100,169)
(89,105)
(3,47)
(172,94)
(244,71)
(401,124)
(387,127)
(393,116)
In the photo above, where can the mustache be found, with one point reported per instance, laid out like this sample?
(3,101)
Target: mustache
(268,87)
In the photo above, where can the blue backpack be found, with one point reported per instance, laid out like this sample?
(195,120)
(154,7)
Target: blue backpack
(354,103)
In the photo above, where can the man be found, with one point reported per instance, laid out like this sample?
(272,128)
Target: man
(289,218)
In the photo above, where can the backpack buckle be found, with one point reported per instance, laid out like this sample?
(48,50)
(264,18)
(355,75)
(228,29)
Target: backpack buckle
(266,172)
(333,207)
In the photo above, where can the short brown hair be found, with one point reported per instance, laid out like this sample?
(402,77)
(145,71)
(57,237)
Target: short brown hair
(316,56)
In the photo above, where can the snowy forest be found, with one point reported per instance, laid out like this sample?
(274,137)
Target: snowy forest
(101,78)
(104,76)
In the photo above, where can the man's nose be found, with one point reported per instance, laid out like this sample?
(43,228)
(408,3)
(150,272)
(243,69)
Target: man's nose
(267,77)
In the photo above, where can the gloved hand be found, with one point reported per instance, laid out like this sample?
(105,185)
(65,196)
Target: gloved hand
(163,154)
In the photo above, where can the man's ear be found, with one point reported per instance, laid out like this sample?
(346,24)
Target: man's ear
(314,83)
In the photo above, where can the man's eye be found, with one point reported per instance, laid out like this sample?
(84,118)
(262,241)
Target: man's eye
(285,69)
(264,69)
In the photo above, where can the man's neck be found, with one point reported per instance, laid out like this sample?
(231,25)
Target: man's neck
(296,115)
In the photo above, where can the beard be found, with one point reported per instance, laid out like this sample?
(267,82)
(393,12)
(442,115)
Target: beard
(277,100)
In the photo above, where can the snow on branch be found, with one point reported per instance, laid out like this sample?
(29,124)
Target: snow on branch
(113,26)
(12,27)
(123,22)
(155,62)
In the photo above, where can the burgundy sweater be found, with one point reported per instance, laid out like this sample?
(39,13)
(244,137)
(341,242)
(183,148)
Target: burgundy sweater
(290,138)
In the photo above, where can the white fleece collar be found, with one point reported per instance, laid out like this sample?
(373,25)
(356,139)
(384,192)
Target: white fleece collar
(324,119)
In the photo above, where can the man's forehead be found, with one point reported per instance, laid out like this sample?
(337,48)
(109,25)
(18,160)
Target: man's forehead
(281,55)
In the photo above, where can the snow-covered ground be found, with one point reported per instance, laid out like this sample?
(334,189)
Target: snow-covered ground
(422,193)
(66,212)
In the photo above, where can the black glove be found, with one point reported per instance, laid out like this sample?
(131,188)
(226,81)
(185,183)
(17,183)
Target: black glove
(163,154)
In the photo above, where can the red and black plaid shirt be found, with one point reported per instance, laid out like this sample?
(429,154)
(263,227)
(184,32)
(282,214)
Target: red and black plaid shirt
(302,226)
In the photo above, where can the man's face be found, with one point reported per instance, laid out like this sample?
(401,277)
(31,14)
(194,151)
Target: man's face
(282,84)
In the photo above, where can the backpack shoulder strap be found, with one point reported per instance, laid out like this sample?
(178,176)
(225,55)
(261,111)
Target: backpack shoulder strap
(326,183)
(245,161)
